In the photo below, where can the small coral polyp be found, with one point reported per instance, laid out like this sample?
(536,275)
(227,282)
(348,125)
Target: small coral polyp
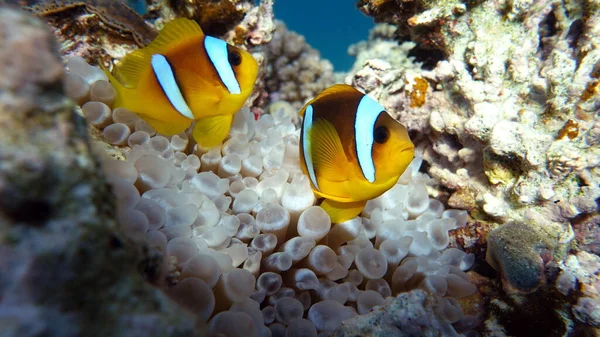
(242,241)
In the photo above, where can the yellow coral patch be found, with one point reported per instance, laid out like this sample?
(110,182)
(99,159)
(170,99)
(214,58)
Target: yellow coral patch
(418,92)
(590,90)
(570,129)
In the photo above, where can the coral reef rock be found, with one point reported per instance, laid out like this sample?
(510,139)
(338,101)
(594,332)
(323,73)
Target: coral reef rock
(502,99)
(95,30)
(415,313)
(215,17)
(507,130)
(581,273)
(66,269)
(295,71)
(257,27)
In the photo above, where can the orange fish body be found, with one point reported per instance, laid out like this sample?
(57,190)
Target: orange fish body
(351,149)
(184,76)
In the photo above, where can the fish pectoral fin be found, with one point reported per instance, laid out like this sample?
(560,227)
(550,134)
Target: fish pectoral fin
(165,128)
(173,33)
(327,153)
(203,96)
(131,68)
(342,211)
(211,131)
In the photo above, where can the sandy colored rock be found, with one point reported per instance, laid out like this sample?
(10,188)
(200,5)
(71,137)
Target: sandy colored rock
(409,314)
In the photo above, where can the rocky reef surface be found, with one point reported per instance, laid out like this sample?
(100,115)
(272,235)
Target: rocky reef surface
(502,99)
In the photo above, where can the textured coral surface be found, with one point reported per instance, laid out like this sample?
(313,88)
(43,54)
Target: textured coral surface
(509,128)
(295,71)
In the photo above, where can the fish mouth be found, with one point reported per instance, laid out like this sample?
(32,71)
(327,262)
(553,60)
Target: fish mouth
(405,148)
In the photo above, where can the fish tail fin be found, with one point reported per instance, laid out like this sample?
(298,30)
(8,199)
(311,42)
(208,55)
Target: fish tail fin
(211,131)
(342,211)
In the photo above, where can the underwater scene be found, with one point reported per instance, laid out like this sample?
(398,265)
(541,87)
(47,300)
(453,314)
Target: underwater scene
(280,168)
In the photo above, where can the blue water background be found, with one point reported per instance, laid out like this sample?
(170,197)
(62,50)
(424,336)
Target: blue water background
(329,26)
(138,5)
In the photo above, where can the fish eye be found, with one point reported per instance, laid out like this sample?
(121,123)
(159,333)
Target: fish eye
(235,59)
(381,134)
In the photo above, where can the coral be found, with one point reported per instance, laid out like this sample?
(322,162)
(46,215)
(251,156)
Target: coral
(492,114)
(500,124)
(63,256)
(500,108)
(508,129)
(255,31)
(215,17)
(581,274)
(295,71)
(421,22)
(414,313)
(257,27)
(587,236)
(381,45)
(94,30)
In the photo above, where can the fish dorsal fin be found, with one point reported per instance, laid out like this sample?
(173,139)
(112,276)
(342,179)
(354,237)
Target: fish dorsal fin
(173,33)
(133,66)
(342,211)
(327,153)
(332,90)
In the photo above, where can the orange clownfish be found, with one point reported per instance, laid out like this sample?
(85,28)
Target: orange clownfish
(184,76)
(351,149)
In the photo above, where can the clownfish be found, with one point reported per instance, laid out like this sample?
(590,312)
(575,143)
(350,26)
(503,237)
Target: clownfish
(351,149)
(184,76)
